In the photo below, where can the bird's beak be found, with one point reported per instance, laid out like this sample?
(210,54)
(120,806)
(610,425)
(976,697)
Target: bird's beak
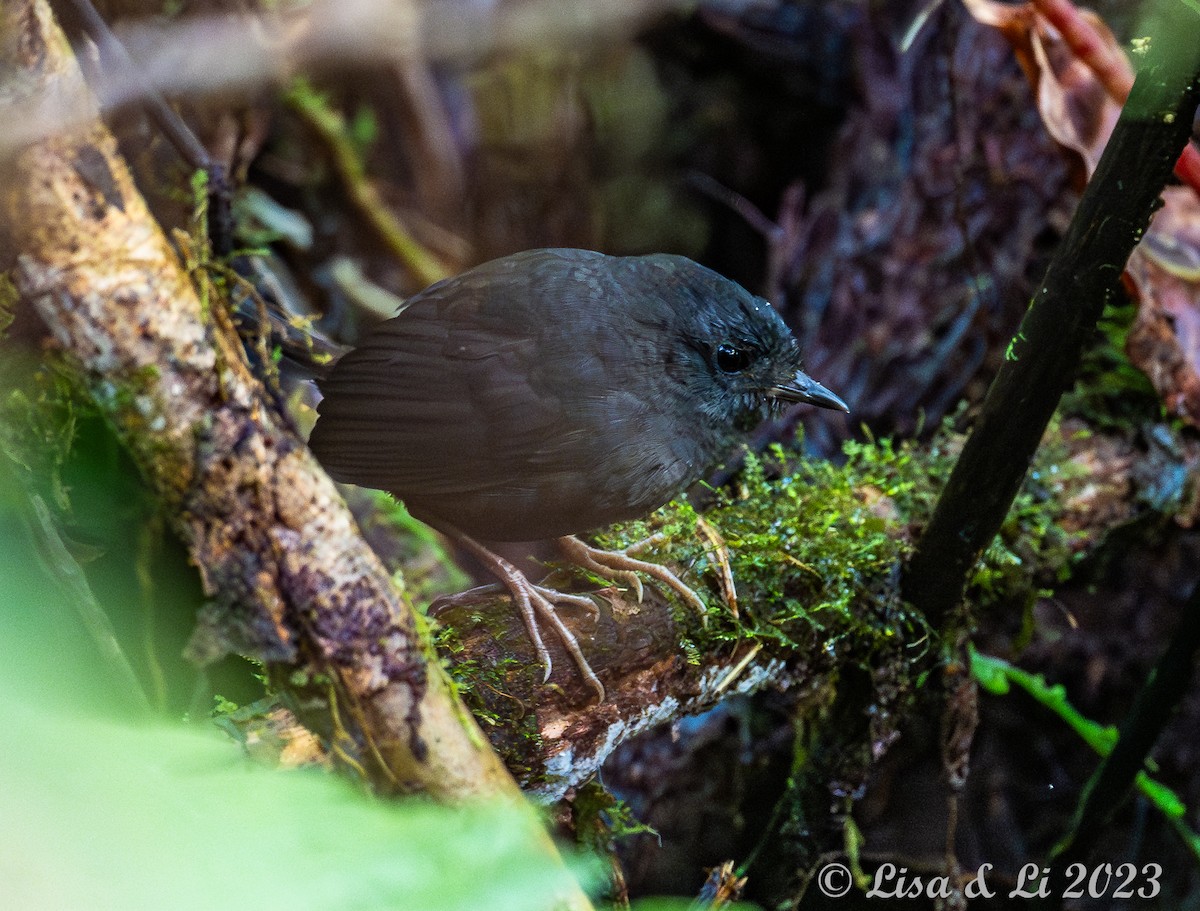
(803,388)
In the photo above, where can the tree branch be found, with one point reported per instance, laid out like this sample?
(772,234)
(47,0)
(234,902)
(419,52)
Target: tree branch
(659,663)
(1082,279)
(292,580)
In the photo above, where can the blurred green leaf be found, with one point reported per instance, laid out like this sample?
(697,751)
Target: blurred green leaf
(100,814)
(99,811)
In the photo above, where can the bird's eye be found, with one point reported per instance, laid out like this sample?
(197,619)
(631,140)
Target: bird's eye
(731,358)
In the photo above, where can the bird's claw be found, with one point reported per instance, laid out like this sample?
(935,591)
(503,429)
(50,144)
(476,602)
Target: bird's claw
(543,600)
(476,595)
(534,602)
(620,565)
(554,596)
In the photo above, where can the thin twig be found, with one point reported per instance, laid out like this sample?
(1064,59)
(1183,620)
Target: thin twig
(330,127)
(178,133)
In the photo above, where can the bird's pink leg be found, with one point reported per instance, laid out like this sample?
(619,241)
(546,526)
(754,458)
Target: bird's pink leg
(533,602)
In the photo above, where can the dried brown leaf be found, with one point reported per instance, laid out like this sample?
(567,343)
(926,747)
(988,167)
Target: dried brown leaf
(1163,274)
(1074,62)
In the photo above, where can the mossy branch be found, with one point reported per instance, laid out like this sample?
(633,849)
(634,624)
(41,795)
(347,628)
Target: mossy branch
(815,551)
(1082,279)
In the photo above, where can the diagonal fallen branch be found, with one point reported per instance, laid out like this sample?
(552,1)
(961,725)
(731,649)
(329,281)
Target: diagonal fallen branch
(291,579)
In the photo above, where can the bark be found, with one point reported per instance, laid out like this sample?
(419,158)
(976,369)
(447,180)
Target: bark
(555,737)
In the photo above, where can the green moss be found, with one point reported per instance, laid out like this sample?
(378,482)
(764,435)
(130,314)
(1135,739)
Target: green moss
(1032,534)
(814,546)
(809,541)
(486,687)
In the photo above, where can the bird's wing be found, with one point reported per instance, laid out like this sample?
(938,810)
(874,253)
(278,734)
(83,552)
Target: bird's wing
(462,391)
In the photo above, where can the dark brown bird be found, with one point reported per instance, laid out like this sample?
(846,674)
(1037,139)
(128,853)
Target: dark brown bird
(554,391)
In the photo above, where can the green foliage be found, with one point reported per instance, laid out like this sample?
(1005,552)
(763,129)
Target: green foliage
(623,823)
(103,809)
(998,676)
(363,129)
(601,818)
(167,817)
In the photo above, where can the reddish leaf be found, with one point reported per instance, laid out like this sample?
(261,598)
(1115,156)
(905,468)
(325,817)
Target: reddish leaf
(1082,78)
(1075,64)
(1163,274)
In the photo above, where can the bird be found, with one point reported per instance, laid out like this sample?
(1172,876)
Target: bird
(552,392)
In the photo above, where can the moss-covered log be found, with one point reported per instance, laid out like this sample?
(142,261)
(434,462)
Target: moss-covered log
(815,551)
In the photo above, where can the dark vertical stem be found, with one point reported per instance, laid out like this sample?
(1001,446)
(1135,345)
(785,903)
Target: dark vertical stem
(1111,783)
(1160,695)
(1083,277)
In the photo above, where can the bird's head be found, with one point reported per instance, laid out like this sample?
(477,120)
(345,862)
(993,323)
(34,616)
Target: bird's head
(741,361)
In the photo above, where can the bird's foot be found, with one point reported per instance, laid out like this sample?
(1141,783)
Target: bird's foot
(620,566)
(535,603)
